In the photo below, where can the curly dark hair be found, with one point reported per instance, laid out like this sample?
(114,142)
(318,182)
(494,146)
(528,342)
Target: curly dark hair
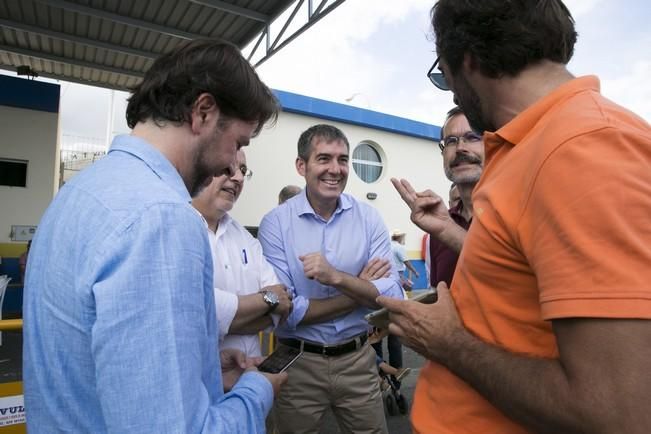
(503,36)
(322,131)
(175,80)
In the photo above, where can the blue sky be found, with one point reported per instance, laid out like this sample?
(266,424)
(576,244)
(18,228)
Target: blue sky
(381,50)
(370,47)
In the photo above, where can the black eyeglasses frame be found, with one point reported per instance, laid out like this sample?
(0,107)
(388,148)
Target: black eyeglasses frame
(437,77)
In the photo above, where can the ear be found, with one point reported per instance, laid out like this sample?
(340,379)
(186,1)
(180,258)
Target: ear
(470,64)
(204,112)
(300,166)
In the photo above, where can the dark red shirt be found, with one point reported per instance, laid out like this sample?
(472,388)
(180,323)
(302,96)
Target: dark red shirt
(443,260)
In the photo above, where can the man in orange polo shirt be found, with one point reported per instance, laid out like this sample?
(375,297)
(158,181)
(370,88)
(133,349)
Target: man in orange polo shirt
(546,325)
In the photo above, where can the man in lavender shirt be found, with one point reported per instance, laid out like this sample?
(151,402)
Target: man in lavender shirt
(319,242)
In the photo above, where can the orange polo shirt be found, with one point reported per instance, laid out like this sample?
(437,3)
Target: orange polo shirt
(561,228)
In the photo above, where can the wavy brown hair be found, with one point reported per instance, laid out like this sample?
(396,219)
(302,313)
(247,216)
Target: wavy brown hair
(503,36)
(175,80)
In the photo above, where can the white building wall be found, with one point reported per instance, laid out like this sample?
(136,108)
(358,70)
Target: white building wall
(272,154)
(28,135)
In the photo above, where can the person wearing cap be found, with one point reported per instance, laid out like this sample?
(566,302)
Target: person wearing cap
(400,258)
(319,242)
(402,264)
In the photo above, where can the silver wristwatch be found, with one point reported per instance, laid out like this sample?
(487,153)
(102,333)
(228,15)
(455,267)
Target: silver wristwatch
(271,299)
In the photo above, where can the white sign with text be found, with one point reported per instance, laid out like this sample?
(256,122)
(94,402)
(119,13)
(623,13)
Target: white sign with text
(12,410)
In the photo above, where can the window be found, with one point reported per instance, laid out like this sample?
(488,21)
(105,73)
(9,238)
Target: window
(367,162)
(13,172)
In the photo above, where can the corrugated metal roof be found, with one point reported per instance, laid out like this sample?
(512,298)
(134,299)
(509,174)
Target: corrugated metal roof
(111,43)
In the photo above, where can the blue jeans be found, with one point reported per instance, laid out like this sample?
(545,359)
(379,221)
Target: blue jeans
(395,350)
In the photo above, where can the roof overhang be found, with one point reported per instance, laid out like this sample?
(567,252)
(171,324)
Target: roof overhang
(111,43)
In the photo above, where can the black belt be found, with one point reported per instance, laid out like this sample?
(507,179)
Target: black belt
(326,350)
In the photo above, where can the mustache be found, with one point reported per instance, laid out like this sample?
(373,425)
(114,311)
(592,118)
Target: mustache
(465,158)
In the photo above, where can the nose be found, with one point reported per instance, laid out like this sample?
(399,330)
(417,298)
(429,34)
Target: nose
(334,167)
(237,176)
(462,146)
(230,171)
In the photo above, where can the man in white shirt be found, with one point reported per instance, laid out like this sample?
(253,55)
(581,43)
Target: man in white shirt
(247,290)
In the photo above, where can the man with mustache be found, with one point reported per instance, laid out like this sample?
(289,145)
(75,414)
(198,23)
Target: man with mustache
(120,329)
(463,161)
(546,327)
(247,291)
(332,253)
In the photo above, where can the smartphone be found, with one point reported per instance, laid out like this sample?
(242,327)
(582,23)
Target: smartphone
(280,360)
(380,318)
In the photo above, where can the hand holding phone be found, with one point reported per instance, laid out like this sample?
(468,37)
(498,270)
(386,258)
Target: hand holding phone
(380,317)
(279,360)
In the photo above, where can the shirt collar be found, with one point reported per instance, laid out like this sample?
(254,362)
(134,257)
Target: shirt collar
(223,225)
(153,158)
(456,213)
(515,130)
(303,205)
(457,209)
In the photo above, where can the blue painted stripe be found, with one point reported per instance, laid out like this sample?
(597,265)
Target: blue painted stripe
(305,105)
(29,94)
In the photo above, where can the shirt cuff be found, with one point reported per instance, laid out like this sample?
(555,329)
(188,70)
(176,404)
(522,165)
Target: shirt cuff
(388,287)
(259,384)
(298,312)
(226,305)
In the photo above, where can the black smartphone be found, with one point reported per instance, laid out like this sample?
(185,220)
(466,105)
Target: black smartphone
(280,360)
(380,318)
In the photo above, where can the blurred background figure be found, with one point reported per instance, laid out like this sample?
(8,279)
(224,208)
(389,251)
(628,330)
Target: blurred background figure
(405,270)
(288,192)
(403,265)
(22,261)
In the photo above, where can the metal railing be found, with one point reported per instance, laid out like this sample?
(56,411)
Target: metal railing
(11,324)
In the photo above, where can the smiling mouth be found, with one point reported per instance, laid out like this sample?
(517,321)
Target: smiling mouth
(331,182)
(229,190)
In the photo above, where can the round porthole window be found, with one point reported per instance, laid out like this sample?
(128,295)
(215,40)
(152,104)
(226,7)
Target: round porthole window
(367,162)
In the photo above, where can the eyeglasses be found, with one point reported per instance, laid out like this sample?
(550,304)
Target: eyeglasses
(437,77)
(246,172)
(453,141)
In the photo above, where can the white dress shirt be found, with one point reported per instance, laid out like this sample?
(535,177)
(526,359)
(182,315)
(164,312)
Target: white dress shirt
(239,269)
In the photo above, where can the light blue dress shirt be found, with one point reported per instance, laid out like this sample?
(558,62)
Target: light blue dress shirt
(120,330)
(353,235)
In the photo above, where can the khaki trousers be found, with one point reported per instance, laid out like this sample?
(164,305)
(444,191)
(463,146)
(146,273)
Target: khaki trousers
(347,384)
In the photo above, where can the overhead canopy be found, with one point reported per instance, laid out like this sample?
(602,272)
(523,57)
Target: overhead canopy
(111,43)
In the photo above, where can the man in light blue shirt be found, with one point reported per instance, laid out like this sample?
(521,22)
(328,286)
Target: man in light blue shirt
(319,243)
(120,332)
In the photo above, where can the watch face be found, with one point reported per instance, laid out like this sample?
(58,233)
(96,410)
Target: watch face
(271,298)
